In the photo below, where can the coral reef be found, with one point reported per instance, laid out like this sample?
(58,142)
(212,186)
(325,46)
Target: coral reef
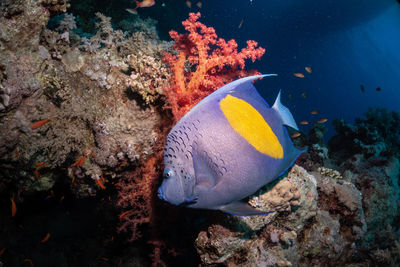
(203,63)
(376,135)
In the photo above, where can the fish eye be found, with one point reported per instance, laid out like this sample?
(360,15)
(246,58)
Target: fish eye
(167,173)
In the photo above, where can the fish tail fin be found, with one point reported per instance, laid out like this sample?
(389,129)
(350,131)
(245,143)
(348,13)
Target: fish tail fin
(284,112)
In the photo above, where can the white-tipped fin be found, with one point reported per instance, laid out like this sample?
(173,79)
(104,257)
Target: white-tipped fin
(239,208)
(284,112)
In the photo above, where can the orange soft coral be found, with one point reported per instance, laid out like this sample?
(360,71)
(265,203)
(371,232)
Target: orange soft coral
(203,64)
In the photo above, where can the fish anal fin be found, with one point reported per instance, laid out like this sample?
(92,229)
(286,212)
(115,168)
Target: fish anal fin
(239,208)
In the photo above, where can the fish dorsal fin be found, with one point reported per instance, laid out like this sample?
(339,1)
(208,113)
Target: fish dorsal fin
(284,112)
(239,208)
(240,85)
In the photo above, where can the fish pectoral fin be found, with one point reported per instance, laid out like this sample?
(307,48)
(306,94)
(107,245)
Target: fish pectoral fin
(239,208)
(206,176)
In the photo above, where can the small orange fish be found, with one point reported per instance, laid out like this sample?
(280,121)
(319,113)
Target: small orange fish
(104,259)
(100,184)
(39,164)
(13,207)
(298,75)
(46,238)
(315,112)
(322,120)
(145,3)
(308,69)
(39,124)
(122,215)
(80,161)
(123,164)
(295,135)
(304,122)
(2,251)
(30,262)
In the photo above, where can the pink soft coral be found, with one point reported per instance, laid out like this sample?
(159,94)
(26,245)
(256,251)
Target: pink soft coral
(203,64)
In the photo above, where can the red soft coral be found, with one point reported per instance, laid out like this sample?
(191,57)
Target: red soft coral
(203,64)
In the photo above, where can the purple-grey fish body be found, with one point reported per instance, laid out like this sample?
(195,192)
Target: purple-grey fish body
(227,147)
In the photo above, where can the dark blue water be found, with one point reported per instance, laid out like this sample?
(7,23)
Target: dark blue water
(347,44)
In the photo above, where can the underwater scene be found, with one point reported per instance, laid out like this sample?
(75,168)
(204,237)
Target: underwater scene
(199,133)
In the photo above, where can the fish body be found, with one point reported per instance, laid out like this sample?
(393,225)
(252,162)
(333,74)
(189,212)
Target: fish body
(295,135)
(225,148)
(241,22)
(38,124)
(13,207)
(145,3)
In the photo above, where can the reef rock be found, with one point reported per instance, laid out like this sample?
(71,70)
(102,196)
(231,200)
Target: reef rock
(316,221)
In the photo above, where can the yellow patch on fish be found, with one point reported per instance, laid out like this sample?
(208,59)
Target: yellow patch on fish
(250,125)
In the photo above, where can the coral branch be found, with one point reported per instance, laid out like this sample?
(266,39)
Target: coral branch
(203,63)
